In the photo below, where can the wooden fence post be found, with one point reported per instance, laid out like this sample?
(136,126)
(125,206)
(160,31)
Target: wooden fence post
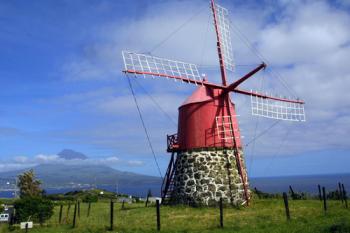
(221,213)
(341,193)
(79,209)
(147,200)
(319,192)
(286,205)
(158,215)
(123,204)
(75,215)
(60,215)
(89,208)
(257,192)
(345,196)
(112,216)
(292,192)
(324,199)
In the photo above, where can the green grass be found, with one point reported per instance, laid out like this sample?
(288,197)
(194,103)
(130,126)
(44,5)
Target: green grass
(262,216)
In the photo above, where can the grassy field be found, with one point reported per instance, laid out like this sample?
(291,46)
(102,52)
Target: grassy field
(266,215)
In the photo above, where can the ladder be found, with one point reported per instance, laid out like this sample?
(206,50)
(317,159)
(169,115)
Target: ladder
(168,181)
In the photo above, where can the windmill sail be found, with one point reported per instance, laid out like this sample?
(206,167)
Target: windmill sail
(142,64)
(277,108)
(224,33)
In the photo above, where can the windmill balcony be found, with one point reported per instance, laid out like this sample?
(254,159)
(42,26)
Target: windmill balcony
(172,143)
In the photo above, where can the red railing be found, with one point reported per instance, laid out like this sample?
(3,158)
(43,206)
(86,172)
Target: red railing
(172,143)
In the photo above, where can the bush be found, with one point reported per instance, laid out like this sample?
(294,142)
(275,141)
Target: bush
(90,198)
(35,208)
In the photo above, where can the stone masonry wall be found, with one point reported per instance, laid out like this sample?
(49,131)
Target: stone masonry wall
(203,177)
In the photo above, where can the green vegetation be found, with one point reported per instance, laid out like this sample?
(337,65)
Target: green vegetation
(28,185)
(92,195)
(1,207)
(37,209)
(32,205)
(264,215)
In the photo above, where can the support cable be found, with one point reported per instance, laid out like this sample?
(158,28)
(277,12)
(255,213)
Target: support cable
(156,103)
(175,31)
(256,126)
(277,152)
(256,52)
(263,132)
(144,126)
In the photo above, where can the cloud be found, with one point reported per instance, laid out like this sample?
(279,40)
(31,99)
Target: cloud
(135,163)
(307,42)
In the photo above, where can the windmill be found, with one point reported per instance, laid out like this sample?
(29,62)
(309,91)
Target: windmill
(206,161)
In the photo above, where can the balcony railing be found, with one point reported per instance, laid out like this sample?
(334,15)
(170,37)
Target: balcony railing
(172,143)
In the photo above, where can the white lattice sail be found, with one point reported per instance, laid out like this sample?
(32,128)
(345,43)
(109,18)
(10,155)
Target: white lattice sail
(223,23)
(154,66)
(277,109)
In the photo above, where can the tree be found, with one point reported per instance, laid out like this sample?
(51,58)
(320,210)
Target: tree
(34,208)
(28,185)
(1,207)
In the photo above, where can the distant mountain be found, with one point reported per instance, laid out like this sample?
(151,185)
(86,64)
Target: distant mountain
(60,175)
(71,154)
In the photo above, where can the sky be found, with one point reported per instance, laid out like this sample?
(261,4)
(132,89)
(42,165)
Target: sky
(62,85)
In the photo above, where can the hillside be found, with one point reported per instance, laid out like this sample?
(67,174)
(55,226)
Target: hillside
(58,175)
(263,215)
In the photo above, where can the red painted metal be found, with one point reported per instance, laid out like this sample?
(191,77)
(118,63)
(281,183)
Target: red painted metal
(267,96)
(226,98)
(186,80)
(245,77)
(213,85)
(197,120)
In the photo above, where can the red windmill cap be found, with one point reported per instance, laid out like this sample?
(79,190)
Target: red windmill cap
(202,94)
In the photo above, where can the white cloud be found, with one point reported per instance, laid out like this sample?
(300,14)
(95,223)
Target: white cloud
(41,158)
(305,41)
(135,163)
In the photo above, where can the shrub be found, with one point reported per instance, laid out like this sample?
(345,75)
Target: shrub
(35,208)
(1,207)
(90,198)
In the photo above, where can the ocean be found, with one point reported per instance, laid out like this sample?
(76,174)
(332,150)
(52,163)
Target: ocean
(303,183)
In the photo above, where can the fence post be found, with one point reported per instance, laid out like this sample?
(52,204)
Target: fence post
(292,192)
(319,192)
(257,192)
(79,209)
(324,199)
(158,215)
(75,215)
(286,205)
(123,204)
(60,215)
(341,193)
(147,199)
(221,213)
(345,196)
(26,227)
(88,211)
(112,215)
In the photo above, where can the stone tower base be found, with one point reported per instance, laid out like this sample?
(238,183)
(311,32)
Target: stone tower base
(202,177)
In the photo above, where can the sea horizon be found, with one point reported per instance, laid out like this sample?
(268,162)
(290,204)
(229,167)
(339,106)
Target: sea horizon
(269,184)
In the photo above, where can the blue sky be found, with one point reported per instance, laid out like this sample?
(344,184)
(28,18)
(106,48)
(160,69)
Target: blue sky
(62,86)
